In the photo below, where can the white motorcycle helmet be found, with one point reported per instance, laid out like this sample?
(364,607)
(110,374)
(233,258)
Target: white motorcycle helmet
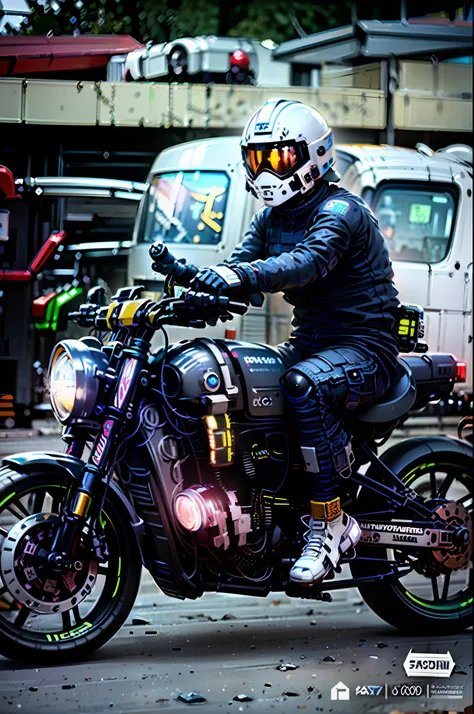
(286,147)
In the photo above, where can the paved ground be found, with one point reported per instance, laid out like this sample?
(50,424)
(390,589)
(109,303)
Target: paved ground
(224,646)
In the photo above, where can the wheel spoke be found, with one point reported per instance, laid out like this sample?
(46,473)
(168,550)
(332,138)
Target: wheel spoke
(37,501)
(22,616)
(3,532)
(66,616)
(20,514)
(433,483)
(3,590)
(444,594)
(466,500)
(434,585)
(103,570)
(77,615)
(443,489)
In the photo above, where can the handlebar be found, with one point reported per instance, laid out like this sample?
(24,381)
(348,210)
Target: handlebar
(165,263)
(194,309)
(191,310)
(223,303)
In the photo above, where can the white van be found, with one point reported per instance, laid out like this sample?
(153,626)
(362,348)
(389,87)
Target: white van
(196,201)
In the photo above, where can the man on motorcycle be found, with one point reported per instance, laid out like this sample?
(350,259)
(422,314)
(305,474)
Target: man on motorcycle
(321,246)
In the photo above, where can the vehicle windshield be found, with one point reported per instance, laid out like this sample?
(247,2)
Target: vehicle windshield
(185,207)
(417,222)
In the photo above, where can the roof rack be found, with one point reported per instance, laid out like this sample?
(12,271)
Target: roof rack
(460,152)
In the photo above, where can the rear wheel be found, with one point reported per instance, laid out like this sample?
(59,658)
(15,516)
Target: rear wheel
(436,595)
(45,617)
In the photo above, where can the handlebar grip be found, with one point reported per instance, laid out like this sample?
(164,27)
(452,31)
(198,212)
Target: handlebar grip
(184,273)
(161,255)
(165,263)
(238,308)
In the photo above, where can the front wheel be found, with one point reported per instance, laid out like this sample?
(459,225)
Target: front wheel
(50,618)
(436,596)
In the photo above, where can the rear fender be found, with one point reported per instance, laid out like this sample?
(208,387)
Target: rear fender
(73,467)
(399,456)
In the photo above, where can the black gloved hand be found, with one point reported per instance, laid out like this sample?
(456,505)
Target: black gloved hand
(206,306)
(166,264)
(217,280)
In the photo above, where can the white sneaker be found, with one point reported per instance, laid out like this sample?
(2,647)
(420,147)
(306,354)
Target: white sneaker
(326,542)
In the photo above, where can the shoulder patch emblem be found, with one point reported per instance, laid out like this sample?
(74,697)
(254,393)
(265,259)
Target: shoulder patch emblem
(337,206)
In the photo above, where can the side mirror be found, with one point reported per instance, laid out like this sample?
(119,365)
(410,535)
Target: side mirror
(96,296)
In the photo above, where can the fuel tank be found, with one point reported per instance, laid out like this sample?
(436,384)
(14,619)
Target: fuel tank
(226,376)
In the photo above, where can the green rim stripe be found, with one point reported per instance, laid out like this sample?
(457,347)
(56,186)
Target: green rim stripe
(7,498)
(116,588)
(429,606)
(118,576)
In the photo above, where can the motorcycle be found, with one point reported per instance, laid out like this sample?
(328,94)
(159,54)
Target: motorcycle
(181,461)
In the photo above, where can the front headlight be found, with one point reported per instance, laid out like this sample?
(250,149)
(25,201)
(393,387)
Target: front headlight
(73,384)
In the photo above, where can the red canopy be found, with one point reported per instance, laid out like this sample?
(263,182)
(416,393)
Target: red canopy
(20,56)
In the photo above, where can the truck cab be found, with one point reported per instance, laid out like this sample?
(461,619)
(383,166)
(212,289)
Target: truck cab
(423,202)
(196,201)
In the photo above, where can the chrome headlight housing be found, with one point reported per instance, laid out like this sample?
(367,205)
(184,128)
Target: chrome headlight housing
(73,384)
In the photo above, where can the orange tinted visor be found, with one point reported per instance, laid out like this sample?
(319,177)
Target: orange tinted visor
(280,159)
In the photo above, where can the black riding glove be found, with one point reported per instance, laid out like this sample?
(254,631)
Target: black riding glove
(166,264)
(216,280)
(220,278)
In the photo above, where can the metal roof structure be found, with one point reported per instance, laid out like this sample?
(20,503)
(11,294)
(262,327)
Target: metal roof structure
(394,157)
(376,40)
(29,55)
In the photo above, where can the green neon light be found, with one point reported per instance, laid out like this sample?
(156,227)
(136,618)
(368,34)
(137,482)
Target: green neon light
(468,602)
(7,498)
(53,309)
(61,300)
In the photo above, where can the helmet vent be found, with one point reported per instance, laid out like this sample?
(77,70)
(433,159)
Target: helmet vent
(267,115)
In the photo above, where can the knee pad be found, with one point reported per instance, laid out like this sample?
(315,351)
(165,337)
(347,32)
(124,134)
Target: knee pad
(295,385)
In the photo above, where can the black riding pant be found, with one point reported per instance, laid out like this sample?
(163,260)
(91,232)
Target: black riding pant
(318,389)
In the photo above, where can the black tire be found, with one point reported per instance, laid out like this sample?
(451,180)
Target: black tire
(392,601)
(113,603)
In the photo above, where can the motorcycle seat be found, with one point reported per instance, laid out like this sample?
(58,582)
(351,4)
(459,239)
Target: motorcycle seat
(396,401)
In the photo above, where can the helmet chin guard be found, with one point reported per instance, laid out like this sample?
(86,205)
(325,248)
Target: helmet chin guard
(286,147)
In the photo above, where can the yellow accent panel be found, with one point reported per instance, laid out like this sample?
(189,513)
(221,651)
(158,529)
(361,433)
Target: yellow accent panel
(326,510)
(112,307)
(82,505)
(129,310)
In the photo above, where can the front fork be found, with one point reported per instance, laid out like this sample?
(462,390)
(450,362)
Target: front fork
(86,500)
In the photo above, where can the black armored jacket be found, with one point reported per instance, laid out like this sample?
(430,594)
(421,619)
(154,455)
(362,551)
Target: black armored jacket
(331,262)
